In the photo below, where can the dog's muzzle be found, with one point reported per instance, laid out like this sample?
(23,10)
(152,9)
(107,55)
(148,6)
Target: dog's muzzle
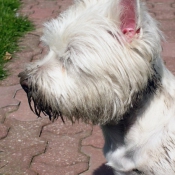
(34,96)
(24,82)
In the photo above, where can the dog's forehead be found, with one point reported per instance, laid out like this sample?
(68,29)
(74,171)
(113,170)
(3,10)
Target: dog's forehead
(90,18)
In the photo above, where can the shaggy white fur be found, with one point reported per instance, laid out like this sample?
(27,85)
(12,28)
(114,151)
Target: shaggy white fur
(104,67)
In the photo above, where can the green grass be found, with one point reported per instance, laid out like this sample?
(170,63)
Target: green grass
(12,27)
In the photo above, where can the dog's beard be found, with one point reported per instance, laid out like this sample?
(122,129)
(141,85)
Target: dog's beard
(39,106)
(100,114)
(36,99)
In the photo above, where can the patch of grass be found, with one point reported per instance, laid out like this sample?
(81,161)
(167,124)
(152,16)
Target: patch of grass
(12,27)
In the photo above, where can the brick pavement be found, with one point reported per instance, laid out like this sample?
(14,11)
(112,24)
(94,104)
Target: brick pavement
(32,146)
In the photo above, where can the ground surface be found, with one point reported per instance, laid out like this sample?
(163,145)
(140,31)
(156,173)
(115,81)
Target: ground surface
(31,146)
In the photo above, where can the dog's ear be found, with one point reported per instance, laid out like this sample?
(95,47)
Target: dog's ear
(130,18)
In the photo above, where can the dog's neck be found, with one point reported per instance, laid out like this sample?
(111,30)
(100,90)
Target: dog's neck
(140,103)
(140,100)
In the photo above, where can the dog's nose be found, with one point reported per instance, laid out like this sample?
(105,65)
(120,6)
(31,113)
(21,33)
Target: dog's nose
(24,84)
(24,81)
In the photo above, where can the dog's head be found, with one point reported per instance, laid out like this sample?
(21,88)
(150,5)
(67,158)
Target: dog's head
(101,57)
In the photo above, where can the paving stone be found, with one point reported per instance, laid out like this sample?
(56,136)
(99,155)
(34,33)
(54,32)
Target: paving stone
(167,25)
(47,5)
(170,36)
(12,79)
(20,60)
(168,49)
(2,115)
(44,169)
(67,128)
(157,1)
(95,139)
(62,150)
(29,43)
(45,51)
(163,6)
(26,12)
(20,146)
(7,96)
(170,63)
(150,5)
(21,133)
(56,13)
(29,2)
(168,14)
(26,8)
(62,155)
(96,159)
(65,4)
(40,13)
(173,5)
(9,109)
(38,23)
(17,163)
(38,31)
(3,131)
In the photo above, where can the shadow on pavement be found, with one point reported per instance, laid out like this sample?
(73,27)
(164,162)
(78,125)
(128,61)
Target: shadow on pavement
(103,170)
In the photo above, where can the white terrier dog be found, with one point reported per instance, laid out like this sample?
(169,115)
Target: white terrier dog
(104,67)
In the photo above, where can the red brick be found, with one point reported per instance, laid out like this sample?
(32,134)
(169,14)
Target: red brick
(166,14)
(96,139)
(45,169)
(164,1)
(3,130)
(40,13)
(150,5)
(26,12)
(64,4)
(167,24)
(168,50)
(7,96)
(20,146)
(29,42)
(170,63)
(67,128)
(2,115)
(47,5)
(170,36)
(61,150)
(96,159)
(164,6)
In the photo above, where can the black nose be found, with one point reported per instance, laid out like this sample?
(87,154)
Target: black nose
(24,81)
(24,84)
